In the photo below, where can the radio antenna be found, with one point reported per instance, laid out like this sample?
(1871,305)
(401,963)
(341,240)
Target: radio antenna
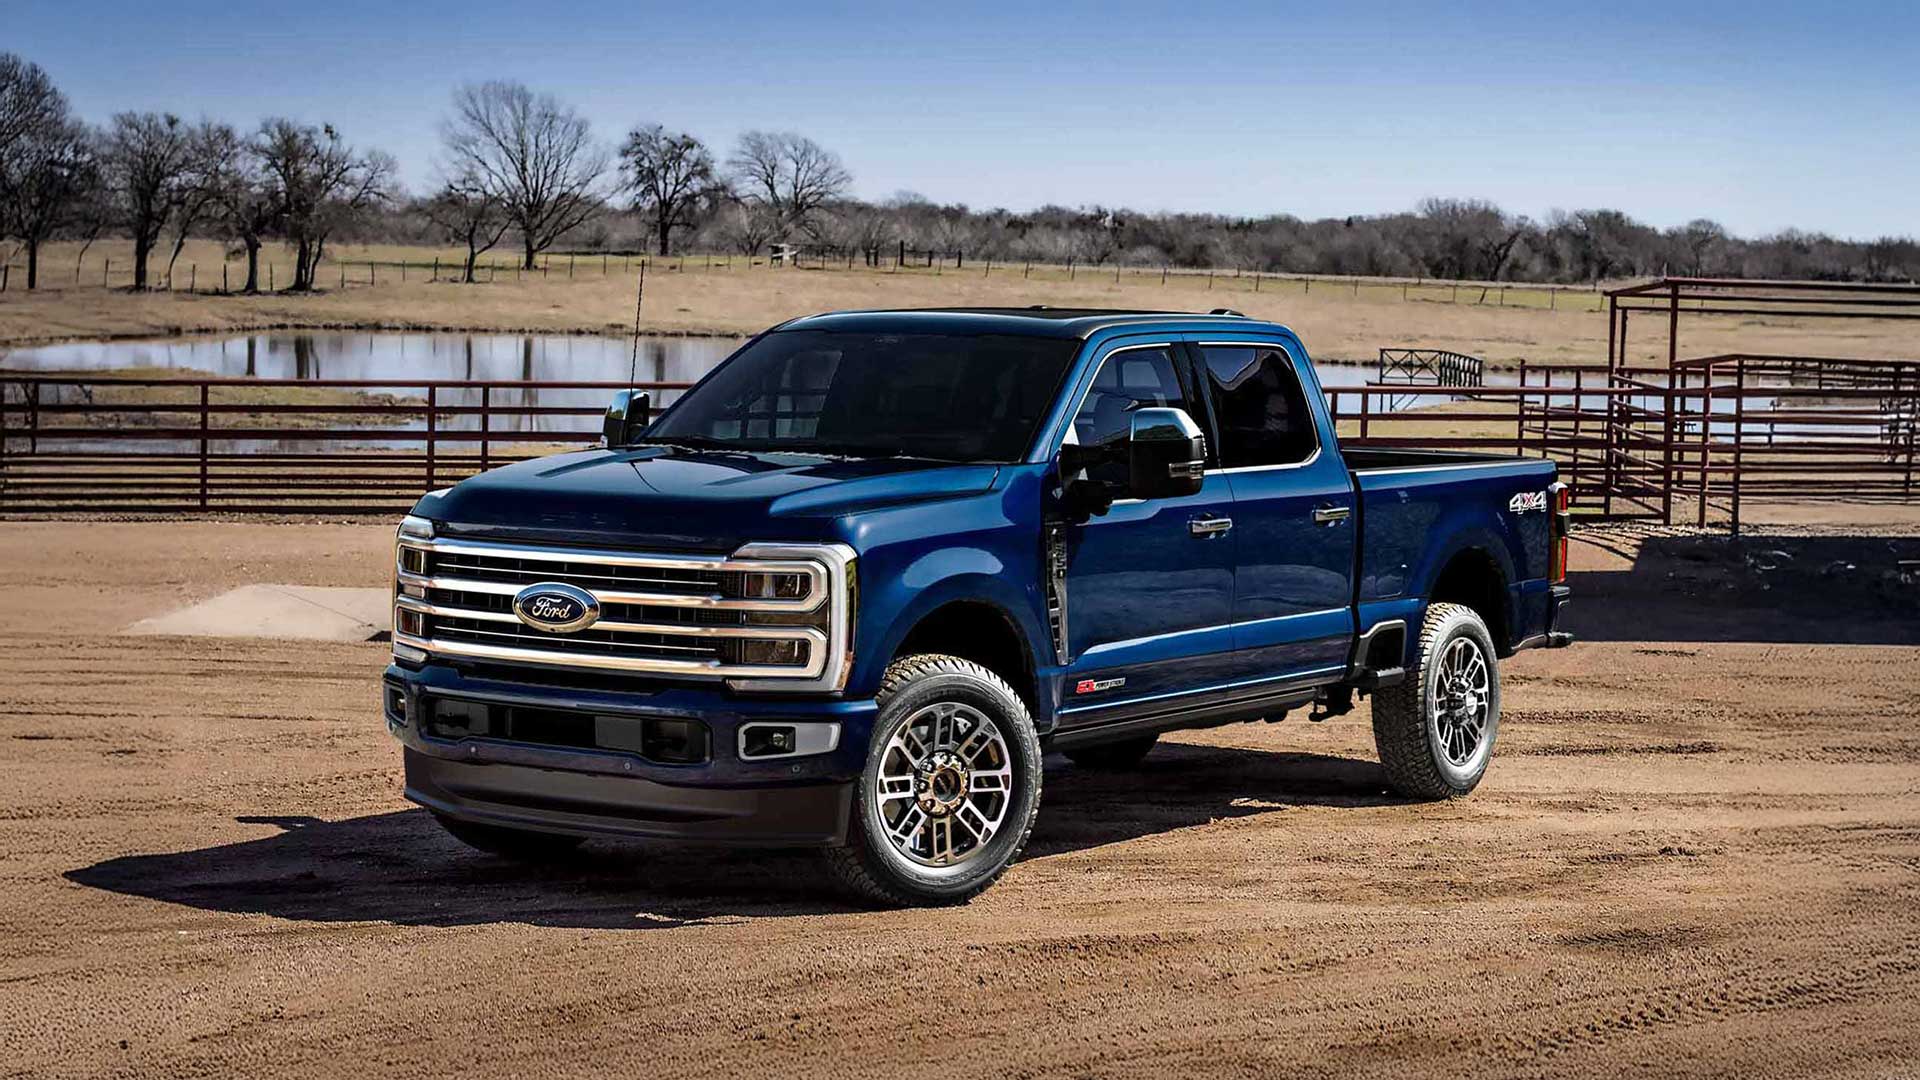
(639,297)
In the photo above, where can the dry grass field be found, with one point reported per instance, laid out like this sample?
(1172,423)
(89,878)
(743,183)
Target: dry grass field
(1695,856)
(1339,322)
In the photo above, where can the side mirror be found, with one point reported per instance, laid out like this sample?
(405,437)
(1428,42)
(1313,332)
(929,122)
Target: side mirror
(1166,454)
(627,417)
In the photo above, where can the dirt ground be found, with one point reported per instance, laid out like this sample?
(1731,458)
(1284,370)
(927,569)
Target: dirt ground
(1697,854)
(1338,323)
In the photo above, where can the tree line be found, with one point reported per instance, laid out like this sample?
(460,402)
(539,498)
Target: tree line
(522,168)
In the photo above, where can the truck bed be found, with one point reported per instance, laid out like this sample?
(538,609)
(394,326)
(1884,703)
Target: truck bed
(1366,459)
(1420,509)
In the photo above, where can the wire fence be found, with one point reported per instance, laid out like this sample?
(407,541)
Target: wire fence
(107,271)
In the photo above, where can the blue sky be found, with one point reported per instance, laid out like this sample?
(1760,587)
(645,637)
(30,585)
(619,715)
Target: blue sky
(1762,115)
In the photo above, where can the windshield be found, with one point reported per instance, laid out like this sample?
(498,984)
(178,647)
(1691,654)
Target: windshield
(950,397)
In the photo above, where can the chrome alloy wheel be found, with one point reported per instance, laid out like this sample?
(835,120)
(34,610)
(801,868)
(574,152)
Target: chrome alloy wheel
(1461,701)
(944,785)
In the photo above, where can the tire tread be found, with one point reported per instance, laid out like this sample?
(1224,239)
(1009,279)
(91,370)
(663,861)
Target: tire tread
(1400,716)
(851,865)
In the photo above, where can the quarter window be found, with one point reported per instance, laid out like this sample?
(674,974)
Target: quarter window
(1262,413)
(1128,380)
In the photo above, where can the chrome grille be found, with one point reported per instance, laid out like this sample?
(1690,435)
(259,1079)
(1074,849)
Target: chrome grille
(767,617)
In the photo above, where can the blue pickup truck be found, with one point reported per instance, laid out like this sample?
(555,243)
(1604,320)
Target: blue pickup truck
(853,585)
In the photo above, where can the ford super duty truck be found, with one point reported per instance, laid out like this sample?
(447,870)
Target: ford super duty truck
(853,585)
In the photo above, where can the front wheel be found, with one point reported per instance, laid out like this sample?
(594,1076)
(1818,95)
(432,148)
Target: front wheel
(1435,730)
(950,789)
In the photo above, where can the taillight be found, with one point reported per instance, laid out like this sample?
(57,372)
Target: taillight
(1561,498)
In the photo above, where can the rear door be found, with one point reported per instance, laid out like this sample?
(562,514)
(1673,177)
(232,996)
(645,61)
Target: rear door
(1294,510)
(1150,583)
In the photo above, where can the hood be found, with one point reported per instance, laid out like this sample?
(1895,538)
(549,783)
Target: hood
(667,497)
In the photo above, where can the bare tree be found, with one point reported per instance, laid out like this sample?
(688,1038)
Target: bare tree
(671,176)
(146,161)
(537,156)
(246,199)
(788,175)
(748,227)
(466,212)
(212,147)
(46,177)
(28,100)
(321,183)
(1701,236)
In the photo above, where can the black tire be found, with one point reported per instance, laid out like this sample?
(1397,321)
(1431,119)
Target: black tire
(869,864)
(1124,754)
(1407,727)
(520,845)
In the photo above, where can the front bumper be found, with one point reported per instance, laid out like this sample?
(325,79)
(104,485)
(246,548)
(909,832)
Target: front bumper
(585,791)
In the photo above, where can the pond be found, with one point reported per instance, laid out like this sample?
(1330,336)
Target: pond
(394,363)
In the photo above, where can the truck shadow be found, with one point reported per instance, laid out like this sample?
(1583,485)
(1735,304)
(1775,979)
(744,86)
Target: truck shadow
(399,867)
(1782,589)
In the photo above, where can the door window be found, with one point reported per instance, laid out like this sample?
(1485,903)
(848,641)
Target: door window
(1128,380)
(1258,404)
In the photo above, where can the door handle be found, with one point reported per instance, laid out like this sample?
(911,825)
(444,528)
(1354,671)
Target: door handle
(1208,527)
(1331,515)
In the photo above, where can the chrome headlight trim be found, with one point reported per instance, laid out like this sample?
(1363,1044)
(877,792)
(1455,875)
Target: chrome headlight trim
(837,562)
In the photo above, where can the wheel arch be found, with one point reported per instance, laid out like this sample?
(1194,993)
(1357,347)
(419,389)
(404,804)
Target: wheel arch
(1474,577)
(979,629)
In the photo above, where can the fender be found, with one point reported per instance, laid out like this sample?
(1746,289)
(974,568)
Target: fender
(936,579)
(1464,537)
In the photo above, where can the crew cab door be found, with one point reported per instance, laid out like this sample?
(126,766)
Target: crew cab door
(1294,509)
(1149,584)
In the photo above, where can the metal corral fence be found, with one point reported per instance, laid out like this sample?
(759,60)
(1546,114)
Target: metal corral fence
(1671,444)
(1693,440)
(345,446)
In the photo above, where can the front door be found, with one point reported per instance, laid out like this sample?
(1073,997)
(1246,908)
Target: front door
(1150,583)
(1294,512)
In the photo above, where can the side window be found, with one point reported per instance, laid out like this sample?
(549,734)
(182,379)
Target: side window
(1262,413)
(1127,380)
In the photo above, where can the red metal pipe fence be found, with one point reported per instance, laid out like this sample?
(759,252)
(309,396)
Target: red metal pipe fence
(1686,443)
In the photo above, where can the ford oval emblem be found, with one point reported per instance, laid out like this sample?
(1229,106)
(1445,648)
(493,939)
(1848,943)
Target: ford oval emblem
(556,607)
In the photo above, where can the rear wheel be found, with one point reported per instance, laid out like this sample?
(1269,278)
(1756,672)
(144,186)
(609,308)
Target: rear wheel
(950,789)
(1435,730)
(520,845)
(1114,755)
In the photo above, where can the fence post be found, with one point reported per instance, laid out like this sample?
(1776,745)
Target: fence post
(106,271)
(403,270)
(1706,446)
(1666,451)
(223,277)
(1520,415)
(486,423)
(1366,415)
(205,417)
(1739,423)
(433,418)
(193,277)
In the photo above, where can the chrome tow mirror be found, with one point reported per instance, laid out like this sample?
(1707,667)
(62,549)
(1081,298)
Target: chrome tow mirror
(627,418)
